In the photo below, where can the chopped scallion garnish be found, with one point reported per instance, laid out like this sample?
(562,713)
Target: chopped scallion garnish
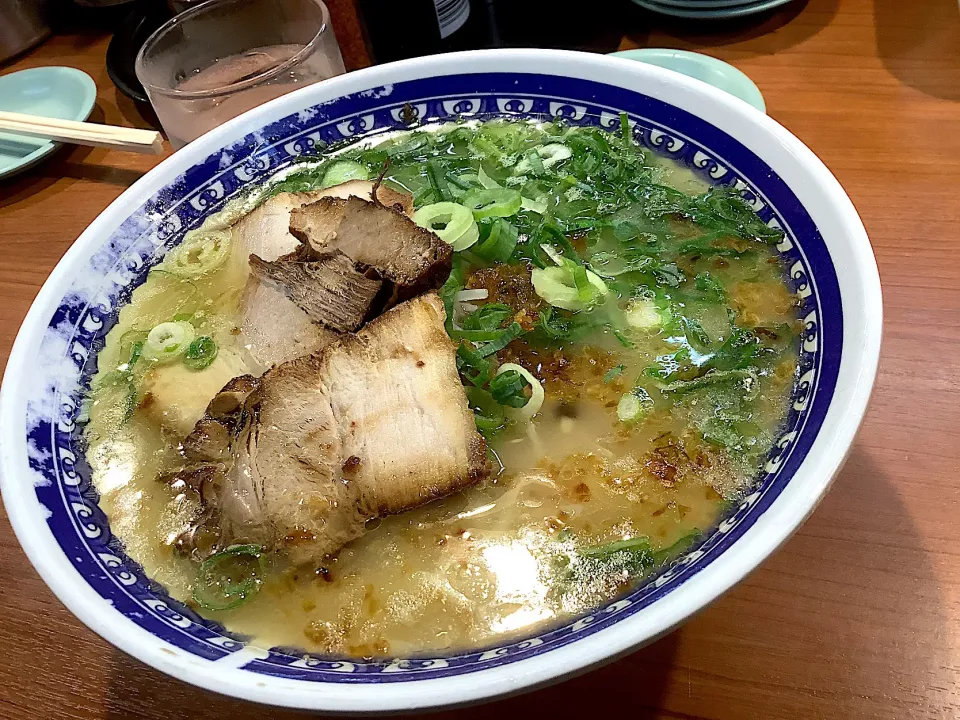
(200,353)
(229,578)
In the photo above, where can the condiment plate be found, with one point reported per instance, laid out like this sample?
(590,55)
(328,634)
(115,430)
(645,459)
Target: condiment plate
(64,93)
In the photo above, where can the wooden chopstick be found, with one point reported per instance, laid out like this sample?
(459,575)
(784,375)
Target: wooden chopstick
(82,133)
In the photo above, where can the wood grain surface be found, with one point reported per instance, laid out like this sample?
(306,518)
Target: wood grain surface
(858,616)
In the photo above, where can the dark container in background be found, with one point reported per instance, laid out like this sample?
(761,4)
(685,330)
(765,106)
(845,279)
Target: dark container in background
(400,29)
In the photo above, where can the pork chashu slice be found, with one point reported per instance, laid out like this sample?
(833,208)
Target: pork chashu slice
(328,287)
(407,434)
(412,258)
(283,311)
(297,304)
(376,423)
(369,190)
(265,231)
(273,328)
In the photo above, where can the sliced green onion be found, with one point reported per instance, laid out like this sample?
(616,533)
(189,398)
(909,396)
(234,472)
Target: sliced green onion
(116,396)
(550,229)
(507,389)
(680,546)
(538,160)
(632,545)
(696,336)
(533,405)
(472,365)
(486,181)
(453,223)
(487,423)
(437,181)
(643,314)
(448,291)
(487,412)
(500,243)
(634,405)
(229,578)
(747,378)
(343,171)
(508,335)
(553,326)
(621,338)
(537,206)
(552,253)
(494,341)
(423,195)
(554,153)
(585,291)
(559,287)
(487,148)
(625,133)
(461,182)
(468,180)
(476,336)
(135,352)
(489,316)
(131,348)
(536,164)
(613,373)
(492,202)
(168,341)
(200,253)
(200,353)
(467,239)
(409,145)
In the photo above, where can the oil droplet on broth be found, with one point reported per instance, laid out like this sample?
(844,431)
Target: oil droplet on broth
(472,580)
(535,494)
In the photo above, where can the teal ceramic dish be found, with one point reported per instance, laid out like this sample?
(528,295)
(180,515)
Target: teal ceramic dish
(58,92)
(721,75)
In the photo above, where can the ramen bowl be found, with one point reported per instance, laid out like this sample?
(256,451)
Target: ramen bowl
(53,506)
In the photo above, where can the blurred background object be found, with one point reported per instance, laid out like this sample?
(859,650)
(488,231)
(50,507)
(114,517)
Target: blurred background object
(179,6)
(223,57)
(103,3)
(23,24)
(710,9)
(706,68)
(378,31)
(130,35)
(425,27)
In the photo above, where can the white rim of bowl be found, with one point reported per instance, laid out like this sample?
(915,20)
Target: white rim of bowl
(801,170)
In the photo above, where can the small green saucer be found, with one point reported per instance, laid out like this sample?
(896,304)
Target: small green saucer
(701,67)
(64,93)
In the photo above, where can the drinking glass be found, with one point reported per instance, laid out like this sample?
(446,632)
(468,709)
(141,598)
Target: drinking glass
(223,57)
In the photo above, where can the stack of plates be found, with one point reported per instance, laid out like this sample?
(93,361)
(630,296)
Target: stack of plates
(709,9)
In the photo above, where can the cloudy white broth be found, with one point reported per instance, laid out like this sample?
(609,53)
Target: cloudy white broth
(620,334)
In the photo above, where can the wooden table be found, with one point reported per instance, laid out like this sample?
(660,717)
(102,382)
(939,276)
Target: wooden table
(858,616)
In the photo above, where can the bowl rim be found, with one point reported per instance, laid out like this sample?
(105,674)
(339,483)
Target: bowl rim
(800,169)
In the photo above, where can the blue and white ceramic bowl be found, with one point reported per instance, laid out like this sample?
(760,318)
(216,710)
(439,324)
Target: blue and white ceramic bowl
(45,481)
